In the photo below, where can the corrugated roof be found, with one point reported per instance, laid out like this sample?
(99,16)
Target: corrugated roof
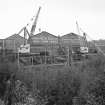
(71,36)
(15,37)
(14,40)
(44,34)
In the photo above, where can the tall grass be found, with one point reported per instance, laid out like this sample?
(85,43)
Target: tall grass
(62,84)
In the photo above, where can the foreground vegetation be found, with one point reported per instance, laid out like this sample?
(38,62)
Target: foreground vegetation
(80,84)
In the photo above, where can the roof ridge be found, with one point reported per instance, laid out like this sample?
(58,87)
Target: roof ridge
(45,34)
(71,34)
(14,35)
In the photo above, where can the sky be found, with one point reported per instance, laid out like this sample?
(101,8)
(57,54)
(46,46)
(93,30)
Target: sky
(57,17)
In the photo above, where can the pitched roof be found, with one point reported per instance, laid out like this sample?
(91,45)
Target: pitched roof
(44,34)
(71,36)
(15,37)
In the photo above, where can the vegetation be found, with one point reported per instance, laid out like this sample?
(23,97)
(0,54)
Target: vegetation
(83,83)
(80,84)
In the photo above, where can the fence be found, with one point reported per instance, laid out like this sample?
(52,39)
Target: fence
(35,60)
(47,56)
(51,55)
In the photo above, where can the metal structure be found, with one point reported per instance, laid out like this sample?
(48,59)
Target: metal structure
(25,34)
(35,23)
(83,40)
(38,59)
(7,46)
(26,47)
(96,46)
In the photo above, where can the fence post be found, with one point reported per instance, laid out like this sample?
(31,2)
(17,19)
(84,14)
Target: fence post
(45,59)
(45,55)
(69,56)
(40,57)
(3,43)
(18,59)
(68,61)
(32,60)
(3,49)
(14,46)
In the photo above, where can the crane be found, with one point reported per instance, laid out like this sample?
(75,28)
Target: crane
(25,48)
(95,45)
(78,29)
(83,40)
(35,23)
(24,29)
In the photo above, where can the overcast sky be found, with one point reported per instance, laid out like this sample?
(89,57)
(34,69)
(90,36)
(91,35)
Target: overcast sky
(57,16)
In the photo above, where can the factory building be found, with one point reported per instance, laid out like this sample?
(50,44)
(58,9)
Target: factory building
(12,42)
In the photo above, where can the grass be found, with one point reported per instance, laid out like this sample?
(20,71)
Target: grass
(61,84)
(69,82)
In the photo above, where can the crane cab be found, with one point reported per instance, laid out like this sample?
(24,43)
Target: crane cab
(84,49)
(24,48)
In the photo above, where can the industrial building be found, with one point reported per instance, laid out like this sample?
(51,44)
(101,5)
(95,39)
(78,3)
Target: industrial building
(42,41)
(46,41)
(12,42)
